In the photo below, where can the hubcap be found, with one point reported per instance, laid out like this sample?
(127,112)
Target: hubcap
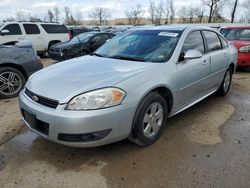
(153,120)
(227,80)
(10,83)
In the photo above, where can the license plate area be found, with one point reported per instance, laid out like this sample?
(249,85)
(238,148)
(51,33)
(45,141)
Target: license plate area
(29,118)
(34,123)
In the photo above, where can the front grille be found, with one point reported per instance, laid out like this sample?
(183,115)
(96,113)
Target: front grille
(54,50)
(42,100)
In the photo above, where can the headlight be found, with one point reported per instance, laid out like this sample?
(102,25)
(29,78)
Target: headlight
(244,49)
(98,99)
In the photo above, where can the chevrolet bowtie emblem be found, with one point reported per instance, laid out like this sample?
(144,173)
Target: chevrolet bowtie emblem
(35,98)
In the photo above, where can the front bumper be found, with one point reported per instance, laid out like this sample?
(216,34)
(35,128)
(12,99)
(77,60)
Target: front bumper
(244,59)
(56,56)
(116,119)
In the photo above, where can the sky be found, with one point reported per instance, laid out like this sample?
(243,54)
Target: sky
(8,8)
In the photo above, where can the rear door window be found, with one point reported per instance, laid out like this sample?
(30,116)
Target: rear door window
(53,28)
(213,41)
(14,29)
(194,41)
(31,29)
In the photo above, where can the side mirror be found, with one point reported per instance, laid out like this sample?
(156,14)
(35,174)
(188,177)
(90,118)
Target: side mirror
(192,54)
(5,32)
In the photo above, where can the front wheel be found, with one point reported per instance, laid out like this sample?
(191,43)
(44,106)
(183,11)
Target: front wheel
(226,84)
(150,120)
(12,82)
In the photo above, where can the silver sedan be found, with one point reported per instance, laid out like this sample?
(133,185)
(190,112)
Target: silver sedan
(128,87)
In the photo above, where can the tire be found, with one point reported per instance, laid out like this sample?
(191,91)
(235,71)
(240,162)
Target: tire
(226,83)
(146,128)
(12,81)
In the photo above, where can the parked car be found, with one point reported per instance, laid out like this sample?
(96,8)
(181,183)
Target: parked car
(76,31)
(240,38)
(80,45)
(129,86)
(17,63)
(42,35)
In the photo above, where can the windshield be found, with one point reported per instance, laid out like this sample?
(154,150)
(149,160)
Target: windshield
(149,45)
(84,37)
(236,34)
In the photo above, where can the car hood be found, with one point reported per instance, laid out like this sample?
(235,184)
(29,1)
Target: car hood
(65,80)
(238,44)
(63,45)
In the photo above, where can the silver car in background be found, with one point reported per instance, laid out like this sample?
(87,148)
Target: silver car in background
(128,87)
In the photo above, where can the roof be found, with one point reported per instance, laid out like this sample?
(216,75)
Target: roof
(16,22)
(238,27)
(177,27)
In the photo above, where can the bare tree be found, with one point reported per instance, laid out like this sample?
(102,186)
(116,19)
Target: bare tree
(21,16)
(156,12)
(50,15)
(191,13)
(170,3)
(34,18)
(69,18)
(56,13)
(183,14)
(212,4)
(10,19)
(217,17)
(78,17)
(152,10)
(100,14)
(233,11)
(199,13)
(247,13)
(135,15)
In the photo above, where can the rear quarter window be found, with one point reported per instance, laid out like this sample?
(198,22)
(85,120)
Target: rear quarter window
(54,29)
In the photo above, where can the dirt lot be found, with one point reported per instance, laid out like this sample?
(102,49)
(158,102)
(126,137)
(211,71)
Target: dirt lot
(205,146)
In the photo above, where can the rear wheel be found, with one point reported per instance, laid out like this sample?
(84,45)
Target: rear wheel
(150,120)
(12,82)
(226,84)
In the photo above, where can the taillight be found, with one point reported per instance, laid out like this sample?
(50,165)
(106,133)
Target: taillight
(70,35)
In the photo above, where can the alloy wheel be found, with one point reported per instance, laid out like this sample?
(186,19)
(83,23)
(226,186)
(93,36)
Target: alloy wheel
(227,81)
(153,120)
(10,83)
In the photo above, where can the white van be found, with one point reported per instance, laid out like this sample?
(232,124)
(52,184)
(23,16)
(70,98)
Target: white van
(43,35)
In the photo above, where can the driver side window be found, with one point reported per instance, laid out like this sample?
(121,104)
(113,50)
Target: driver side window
(194,41)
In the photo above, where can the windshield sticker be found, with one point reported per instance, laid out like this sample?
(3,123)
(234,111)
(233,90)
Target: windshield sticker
(167,34)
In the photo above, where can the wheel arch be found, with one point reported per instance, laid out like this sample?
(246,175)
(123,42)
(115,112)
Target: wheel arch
(15,66)
(165,92)
(232,66)
(53,42)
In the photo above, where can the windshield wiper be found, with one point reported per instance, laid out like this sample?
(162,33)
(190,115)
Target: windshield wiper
(128,58)
(78,38)
(96,54)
